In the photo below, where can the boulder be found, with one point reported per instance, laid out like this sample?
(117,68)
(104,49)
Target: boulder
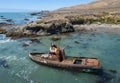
(48,27)
(2,31)
(60,28)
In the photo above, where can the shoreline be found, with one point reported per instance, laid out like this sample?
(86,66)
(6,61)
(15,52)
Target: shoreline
(113,28)
(54,24)
(97,27)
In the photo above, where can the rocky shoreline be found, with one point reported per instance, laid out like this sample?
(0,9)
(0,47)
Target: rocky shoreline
(57,27)
(97,27)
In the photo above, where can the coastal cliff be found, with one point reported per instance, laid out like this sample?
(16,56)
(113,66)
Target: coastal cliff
(69,19)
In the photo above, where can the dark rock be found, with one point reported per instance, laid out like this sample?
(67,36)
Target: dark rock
(31,22)
(35,29)
(77,42)
(9,20)
(34,14)
(113,71)
(60,28)
(48,28)
(106,77)
(26,19)
(39,13)
(6,25)
(14,34)
(93,35)
(3,24)
(35,40)
(90,39)
(3,63)
(100,81)
(39,17)
(1,16)
(55,38)
(25,44)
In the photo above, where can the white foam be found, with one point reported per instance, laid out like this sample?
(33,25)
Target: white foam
(4,39)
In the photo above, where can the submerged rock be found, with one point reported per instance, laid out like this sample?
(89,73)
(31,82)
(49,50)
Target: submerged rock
(9,20)
(25,44)
(3,63)
(26,19)
(4,24)
(113,71)
(100,81)
(34,40)
(1,16)
(105,77)
(77,42)
(55,38)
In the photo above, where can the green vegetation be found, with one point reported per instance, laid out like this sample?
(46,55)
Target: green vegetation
(107,20)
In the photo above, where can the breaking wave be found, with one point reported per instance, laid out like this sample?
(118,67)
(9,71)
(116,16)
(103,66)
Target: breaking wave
(4,39)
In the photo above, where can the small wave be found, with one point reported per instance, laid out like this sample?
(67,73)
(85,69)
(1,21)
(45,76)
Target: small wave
(4,39)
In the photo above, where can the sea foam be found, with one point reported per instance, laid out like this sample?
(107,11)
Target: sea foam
(4,39)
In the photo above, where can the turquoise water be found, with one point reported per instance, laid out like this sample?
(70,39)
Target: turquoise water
(17,17)
(16,67)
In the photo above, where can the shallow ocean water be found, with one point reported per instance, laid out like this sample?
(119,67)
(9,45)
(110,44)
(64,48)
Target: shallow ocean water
(18,18)
(16,67)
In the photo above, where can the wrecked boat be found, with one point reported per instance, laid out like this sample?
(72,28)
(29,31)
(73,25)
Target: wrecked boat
(84,64)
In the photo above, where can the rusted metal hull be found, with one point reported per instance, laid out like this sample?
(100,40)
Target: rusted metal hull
(71,63)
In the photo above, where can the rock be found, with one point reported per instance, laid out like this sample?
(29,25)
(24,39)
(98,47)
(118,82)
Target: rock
(106,77)
(34,40)
(9,20)
(77,42)
(60,28)
(31,22)
(55,38)
(3,63)
(2,16)
(26,19)
(16,35)
(47,28)
(4,27)
(3,24)
(39,17)
(2,31)
(113,71)
(100,81)
(25,44)
(39,13)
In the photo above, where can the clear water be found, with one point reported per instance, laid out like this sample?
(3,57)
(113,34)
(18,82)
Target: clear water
(17,17)
(16,67)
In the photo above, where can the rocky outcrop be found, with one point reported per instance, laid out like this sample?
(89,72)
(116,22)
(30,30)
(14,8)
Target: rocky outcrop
(4,27)
(2,31)
(41,28)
